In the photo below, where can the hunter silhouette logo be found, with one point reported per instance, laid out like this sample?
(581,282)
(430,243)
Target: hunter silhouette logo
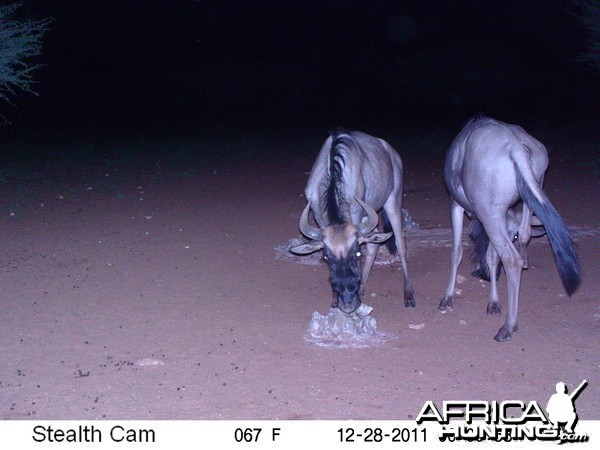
(561,407)
(509,420)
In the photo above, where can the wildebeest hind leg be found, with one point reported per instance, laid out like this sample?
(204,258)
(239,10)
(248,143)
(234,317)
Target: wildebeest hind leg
(513,267)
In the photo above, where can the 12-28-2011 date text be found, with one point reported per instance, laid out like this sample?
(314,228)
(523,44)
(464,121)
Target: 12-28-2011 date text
(398,434)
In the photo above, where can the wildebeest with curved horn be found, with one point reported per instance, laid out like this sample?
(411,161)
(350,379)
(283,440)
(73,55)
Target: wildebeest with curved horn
(490,166)
(354,175)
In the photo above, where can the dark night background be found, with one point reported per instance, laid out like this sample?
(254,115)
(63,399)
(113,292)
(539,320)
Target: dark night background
(193,68)
(150,193)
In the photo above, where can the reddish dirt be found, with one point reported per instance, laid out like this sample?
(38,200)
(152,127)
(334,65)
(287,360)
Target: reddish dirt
(148,288)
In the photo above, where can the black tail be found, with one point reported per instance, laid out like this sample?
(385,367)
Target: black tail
(481,242)
(387,227)
(562,246)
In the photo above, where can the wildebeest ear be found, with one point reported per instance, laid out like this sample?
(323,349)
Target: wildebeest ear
(309,247)
(514,220)
(374,237)
(537,230)
(514,217)
(535,222)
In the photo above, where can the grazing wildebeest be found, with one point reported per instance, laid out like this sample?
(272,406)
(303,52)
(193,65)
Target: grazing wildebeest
(354,174)
(490,166)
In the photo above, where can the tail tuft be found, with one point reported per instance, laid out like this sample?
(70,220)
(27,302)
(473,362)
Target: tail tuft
(561,243)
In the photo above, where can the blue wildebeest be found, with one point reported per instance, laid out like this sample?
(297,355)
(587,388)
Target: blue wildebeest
(354,174)
(490,166)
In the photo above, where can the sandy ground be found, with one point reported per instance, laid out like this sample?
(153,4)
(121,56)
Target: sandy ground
(148,287)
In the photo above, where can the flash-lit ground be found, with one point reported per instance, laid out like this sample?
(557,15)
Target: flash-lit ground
(146,286)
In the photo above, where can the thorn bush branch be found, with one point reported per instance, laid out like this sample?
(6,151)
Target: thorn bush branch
(19,41)
(589,16)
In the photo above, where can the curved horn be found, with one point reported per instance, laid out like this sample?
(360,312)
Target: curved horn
(306,228)
(372,218)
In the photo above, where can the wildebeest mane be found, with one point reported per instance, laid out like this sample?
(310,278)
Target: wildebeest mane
(333,199)
(475,118)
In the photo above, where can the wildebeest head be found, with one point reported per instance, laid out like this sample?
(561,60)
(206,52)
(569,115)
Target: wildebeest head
(341,251)
(513,222)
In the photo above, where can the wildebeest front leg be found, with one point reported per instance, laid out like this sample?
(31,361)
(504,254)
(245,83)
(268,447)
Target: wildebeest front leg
(393,209)
(457,217)
(369,259)
(492,259)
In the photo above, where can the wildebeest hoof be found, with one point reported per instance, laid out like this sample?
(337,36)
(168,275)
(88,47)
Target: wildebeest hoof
(503,335)
(446,303)
(410,302)
(493,309)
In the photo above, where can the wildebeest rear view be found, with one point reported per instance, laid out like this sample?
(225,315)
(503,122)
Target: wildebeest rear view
(354,174)
(489,167)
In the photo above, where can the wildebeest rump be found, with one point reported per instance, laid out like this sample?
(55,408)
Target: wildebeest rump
(489,167)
